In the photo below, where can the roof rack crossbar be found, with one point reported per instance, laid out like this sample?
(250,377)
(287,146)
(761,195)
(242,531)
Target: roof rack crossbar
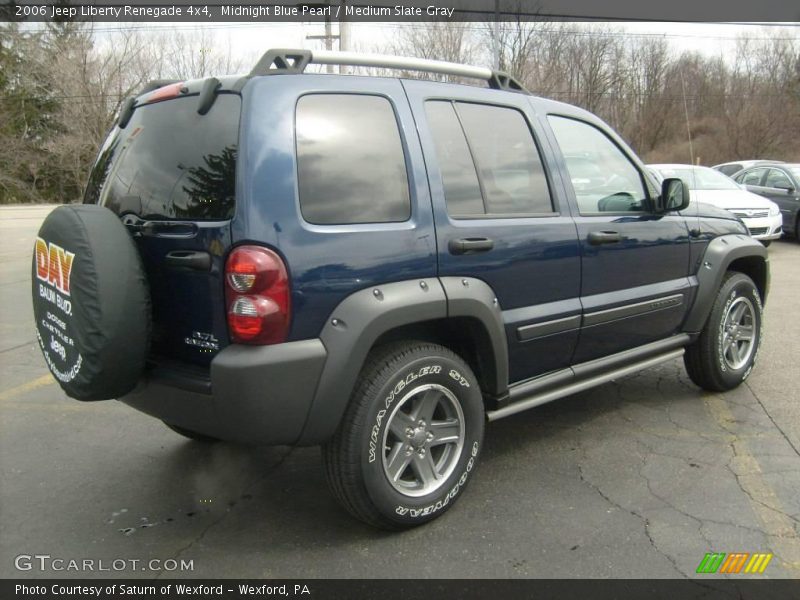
(295,61)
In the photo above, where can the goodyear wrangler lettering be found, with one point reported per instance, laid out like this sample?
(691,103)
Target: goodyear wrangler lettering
(439,505)
(399,387)
(54,265)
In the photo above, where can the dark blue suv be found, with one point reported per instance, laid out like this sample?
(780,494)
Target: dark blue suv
(379,266)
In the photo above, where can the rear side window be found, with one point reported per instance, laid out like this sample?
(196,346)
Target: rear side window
(170,162)
(462,190)
(489,162)
(507,159)
(350,162)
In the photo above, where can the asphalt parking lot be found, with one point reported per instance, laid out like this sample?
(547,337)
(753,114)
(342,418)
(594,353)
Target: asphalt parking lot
(637,478)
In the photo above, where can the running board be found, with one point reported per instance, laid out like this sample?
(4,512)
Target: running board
(579,386)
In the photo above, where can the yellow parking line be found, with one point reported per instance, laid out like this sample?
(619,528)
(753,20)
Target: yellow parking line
(27,387)
(764,501)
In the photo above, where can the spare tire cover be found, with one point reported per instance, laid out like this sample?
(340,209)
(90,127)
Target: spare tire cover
(90,302)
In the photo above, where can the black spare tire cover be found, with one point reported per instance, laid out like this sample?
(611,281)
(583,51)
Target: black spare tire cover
(91,302)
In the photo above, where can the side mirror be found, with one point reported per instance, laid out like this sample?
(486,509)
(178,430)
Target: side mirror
(674,195)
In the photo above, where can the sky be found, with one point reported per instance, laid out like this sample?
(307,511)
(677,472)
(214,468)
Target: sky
(249,40)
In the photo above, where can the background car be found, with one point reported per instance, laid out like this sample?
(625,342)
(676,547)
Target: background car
(781,184)
(761,216)
(731,168)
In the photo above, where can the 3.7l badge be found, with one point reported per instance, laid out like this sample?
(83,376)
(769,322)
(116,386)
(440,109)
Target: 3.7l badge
(205,341)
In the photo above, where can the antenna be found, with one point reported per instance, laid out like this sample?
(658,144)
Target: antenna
(686,113)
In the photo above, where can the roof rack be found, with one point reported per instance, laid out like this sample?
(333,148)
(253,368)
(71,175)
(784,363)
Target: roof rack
(289,61)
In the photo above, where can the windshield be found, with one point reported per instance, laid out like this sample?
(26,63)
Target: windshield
(170,162)
(701,178)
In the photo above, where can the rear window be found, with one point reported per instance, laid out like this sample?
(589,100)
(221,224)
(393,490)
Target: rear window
(171,163)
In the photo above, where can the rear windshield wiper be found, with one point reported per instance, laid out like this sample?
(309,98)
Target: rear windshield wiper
(174,229)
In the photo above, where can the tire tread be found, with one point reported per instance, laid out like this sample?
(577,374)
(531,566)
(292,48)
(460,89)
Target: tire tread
(341,457)
(699,358)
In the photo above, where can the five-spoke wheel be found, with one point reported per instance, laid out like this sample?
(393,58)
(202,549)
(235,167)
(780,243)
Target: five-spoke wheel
(410,438)
(726,350)
(424,440)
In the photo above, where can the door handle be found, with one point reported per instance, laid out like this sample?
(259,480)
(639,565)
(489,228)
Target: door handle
(189,259)
(470,245)
(604,237)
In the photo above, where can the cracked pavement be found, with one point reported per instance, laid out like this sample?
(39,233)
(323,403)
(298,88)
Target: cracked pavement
(637,478)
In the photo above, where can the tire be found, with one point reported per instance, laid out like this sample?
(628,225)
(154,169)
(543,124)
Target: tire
(192,435)
(409,397)
(91,302)
(715,362)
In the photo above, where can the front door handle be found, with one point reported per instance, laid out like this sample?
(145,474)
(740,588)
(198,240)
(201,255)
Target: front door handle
(470,245)
(188,259)
(604,237)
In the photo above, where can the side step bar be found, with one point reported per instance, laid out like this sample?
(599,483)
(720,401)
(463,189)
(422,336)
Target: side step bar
(543,397)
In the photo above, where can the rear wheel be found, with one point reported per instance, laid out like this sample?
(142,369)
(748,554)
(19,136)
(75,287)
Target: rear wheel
(724,354)
(410,437)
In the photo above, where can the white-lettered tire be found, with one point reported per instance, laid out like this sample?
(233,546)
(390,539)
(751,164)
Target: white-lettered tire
(727,349)
(410,438)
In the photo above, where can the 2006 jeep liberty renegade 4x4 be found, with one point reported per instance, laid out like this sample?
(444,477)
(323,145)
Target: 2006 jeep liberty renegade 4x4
(379,266)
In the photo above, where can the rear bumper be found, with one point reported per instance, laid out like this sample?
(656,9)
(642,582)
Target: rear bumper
(256,394)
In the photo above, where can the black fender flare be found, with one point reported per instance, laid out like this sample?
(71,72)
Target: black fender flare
(719,254)
(360,319)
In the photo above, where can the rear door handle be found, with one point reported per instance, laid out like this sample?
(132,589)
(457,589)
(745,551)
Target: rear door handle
(189,259)
(604,237)
(470,245)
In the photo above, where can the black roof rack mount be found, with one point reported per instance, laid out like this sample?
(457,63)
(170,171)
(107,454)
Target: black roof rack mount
(286,61)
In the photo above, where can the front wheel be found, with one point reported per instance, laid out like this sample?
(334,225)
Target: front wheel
(410,437)
(724,354)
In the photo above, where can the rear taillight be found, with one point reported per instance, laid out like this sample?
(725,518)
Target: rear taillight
(257,296)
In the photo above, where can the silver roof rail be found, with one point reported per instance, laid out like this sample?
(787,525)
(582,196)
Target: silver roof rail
(286,61)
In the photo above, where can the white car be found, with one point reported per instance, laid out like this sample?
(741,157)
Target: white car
(762,217)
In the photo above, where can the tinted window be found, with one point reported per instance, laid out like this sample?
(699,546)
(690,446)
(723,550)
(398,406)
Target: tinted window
(730,169)
(507,160)
(604,179)
(778,179)
(350,162)
(751,177)
(170,162)
(461,188)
